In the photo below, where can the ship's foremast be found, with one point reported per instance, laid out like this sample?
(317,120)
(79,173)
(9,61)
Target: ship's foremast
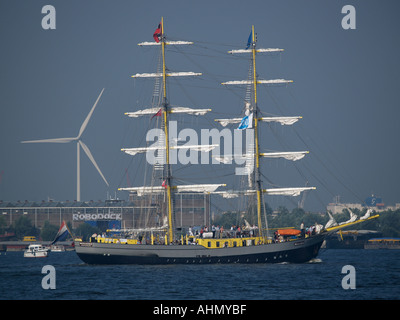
(165,114)
(166,110)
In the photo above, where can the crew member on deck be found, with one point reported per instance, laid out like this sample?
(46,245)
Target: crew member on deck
(303,231)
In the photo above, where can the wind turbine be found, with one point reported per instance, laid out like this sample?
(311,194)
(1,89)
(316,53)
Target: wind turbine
(79,143)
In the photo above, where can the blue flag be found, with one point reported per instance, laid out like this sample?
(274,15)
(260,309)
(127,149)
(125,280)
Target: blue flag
(247,122)
(250,40)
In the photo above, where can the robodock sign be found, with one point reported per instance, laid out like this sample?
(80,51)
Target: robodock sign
(96,216)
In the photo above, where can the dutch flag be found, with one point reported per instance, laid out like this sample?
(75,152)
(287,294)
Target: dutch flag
(62,233)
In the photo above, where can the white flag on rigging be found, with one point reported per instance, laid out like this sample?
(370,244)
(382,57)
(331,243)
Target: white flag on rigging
(247,122)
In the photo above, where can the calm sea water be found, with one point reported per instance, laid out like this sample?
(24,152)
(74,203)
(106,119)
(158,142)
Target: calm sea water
(377,277)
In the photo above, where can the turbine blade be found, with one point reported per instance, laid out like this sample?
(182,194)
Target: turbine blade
(84,124)
(89,154)
(56,140)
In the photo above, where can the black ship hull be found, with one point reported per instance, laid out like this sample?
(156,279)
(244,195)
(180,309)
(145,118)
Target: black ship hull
(297,251)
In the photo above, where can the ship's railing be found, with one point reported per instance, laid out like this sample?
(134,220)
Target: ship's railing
(232,242)
(211,243)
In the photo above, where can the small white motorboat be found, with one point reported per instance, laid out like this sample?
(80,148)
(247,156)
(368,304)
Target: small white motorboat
(56,248)
(36,251)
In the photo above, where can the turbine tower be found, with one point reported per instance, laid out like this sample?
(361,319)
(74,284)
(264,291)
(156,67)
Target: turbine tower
(79,144)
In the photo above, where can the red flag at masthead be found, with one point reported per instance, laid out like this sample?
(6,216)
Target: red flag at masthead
(158,33)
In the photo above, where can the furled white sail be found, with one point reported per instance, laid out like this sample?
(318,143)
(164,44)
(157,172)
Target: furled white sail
(207,188)
(332,222)
(169,74)
(282,120)
(257,50)
(204,188)
(227,159)
(153,111)
(367,214)
(202,148)
(196,112)
(225,122)
(227,194)
(287,191)
(292,156)
(144,112)
(273,192)
(147,43)
(353,217)
(273,81)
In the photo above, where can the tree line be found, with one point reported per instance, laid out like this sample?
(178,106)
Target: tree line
(388,222)
(23,227)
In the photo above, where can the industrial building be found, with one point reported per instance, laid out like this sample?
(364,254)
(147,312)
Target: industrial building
(373,202)
(191,209)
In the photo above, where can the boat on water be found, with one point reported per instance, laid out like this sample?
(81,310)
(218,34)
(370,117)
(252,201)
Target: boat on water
(161,244)
(383,243)
(57,248)
(36,251)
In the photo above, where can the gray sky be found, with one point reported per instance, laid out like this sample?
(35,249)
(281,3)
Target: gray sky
(346,85)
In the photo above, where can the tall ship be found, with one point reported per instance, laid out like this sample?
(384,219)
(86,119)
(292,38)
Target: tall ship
(162,242)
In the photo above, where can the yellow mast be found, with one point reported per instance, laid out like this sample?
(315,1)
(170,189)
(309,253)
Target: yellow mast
(168,176)
(257,155)
(163,59)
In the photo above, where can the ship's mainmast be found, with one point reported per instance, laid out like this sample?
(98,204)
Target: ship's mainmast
(166,110)
(257,117)
(257,153)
